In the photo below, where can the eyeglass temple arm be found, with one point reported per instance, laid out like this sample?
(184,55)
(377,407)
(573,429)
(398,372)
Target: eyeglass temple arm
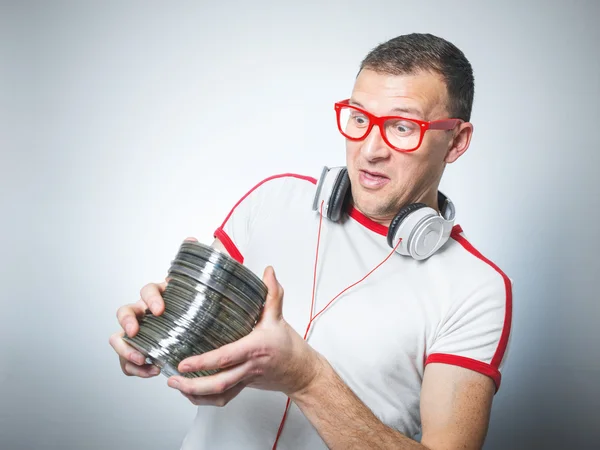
(446,124)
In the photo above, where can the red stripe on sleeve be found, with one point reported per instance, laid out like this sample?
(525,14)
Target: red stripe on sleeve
(229,245)
(499,354)
(293,175)
(224,237)
(467,363)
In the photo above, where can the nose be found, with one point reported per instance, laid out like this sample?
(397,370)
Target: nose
(373,147)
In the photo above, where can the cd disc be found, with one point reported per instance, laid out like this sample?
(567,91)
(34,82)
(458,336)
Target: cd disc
(210,300)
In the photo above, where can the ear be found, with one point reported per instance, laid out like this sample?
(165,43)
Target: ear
(460,143)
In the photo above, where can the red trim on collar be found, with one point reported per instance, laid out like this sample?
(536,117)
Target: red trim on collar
(382,229)
(366,222)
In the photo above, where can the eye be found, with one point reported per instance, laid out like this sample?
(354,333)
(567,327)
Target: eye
(359,119)
(402,127)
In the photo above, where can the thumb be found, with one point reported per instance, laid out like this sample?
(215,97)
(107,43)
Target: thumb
(274,303)
(190,239)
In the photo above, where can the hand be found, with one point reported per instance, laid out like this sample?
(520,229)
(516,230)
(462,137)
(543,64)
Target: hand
(272,357)
(132,362)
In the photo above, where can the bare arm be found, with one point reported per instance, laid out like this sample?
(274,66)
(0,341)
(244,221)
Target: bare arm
(455,409)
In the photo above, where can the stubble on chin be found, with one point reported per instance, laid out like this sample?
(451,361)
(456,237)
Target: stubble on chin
(376,209)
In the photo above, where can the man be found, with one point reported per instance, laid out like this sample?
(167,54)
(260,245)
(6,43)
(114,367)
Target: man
(386,330)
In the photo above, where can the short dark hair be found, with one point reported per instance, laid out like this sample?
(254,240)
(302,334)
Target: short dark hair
(411,53)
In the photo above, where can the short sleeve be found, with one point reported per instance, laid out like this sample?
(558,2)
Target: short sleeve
(235,231)
(476,330)
(258,205)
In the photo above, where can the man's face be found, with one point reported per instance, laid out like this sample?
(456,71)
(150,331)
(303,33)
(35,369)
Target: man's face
(383,179)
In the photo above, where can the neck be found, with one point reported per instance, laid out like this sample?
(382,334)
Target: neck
(429,198)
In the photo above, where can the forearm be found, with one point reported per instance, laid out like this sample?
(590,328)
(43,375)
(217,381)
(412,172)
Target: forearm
(342,420)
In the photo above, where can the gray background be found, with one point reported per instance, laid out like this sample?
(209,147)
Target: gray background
(127,126)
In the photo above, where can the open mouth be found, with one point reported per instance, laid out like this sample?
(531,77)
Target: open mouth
(372,179)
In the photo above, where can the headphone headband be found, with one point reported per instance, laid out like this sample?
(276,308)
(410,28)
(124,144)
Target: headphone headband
(446,207)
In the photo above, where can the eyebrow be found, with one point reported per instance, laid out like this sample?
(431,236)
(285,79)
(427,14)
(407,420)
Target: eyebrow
(398,109)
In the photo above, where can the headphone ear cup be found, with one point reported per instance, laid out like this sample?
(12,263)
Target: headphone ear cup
(397,220)
(338,196)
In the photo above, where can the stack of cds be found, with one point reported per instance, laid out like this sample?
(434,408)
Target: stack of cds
(210,300)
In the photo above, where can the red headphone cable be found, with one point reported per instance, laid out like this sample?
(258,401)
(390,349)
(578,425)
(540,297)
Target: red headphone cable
(312,318)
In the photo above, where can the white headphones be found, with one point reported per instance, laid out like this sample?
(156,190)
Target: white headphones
(422,229)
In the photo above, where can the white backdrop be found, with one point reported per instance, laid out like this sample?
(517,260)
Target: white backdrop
(127,126)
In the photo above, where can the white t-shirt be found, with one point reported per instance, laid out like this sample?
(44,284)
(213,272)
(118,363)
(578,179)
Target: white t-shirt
(454,308)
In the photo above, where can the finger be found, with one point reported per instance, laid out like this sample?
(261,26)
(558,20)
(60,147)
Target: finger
(216,400)
(152,296)
(126,351)
(216,384)
(128,317)
(145,371)
(274,303)
(190,239)
(228,355)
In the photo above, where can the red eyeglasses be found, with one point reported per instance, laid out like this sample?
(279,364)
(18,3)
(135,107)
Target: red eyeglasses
(400,133)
